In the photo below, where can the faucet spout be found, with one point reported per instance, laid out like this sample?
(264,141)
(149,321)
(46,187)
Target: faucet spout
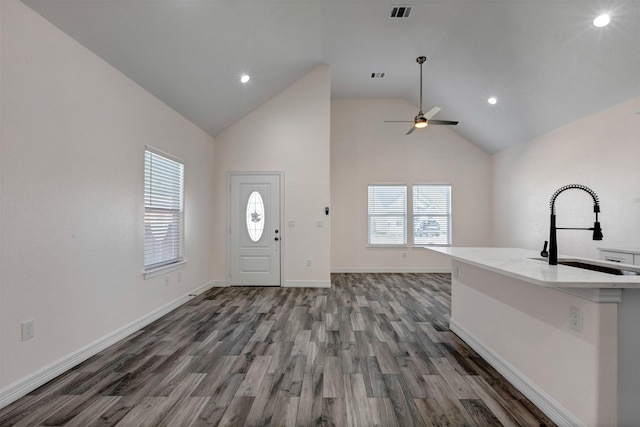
(553,242)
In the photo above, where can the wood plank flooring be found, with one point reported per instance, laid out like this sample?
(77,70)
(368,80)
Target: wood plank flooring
(373,350)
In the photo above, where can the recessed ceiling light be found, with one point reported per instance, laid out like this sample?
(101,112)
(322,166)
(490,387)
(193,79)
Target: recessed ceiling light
(492,100)
(244,78)
(602,20)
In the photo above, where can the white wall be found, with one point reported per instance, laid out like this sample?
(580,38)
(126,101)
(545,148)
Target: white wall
(602,152)
(290,134)
(72,172)
(365,150)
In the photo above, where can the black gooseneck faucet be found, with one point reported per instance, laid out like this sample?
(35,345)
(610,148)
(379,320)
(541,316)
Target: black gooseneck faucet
(553,243)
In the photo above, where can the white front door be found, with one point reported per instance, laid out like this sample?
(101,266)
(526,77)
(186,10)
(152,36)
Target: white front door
(255,233)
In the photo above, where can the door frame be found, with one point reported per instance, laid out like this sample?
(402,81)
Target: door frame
(229,213)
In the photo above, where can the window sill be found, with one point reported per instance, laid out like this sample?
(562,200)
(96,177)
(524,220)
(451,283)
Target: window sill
(387,246)
(405,247)
(155,272)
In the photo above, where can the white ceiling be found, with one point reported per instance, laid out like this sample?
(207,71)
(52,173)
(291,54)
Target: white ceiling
(543,59)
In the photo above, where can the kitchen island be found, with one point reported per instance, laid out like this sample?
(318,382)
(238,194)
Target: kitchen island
(567,338)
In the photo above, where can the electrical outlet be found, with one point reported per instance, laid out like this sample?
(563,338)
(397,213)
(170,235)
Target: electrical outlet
(179,276)
(308,263)
(575,318)
(454,271)
(404,254)
(28,329)
(166,280)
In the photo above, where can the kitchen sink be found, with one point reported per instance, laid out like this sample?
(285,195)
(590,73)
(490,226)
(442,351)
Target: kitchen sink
(596,266)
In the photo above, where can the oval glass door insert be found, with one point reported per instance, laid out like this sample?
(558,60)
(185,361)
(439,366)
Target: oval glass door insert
(255,216)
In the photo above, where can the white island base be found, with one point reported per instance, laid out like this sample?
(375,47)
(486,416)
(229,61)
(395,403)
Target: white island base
(569,339)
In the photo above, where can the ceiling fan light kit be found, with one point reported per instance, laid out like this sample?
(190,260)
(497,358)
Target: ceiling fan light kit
(420,122)
(423,120)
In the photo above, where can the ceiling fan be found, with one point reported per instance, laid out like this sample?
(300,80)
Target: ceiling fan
(422,120)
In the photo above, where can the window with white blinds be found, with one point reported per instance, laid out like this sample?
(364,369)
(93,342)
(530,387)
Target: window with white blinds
(163,209)
(431,214)
(387,215)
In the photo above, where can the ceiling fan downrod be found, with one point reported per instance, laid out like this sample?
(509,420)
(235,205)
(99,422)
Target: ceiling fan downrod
(420,60)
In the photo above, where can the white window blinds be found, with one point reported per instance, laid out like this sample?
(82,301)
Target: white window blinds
(163,209)
(432,214)
(387,215)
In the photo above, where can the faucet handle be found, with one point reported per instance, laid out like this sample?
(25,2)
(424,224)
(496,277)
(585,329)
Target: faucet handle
(544,252)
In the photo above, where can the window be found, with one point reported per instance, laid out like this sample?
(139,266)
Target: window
(163,209)
(387,215)
(431,214)
(255,216)
(430,221)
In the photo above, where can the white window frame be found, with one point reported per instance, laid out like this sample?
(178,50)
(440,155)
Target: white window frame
(413,210)
(441,213)
(374,213)
(163,208)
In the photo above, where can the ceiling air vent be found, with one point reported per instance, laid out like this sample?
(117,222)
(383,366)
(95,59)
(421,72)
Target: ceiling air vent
(400,11)
(377,75)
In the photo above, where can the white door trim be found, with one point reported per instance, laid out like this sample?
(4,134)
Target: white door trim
(229,213)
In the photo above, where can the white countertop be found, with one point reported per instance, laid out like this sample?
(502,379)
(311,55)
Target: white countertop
(517,263)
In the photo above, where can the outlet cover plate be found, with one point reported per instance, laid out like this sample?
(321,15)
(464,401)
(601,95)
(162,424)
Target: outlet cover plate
(575,318)
(28,329)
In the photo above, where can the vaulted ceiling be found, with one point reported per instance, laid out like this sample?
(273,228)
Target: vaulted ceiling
(544,60)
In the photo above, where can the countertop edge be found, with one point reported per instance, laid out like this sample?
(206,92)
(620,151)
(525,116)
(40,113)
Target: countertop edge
(517,263)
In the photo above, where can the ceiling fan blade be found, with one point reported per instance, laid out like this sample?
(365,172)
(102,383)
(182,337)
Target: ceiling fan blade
(398,121)
(411,130)
(432,112)
(442,122)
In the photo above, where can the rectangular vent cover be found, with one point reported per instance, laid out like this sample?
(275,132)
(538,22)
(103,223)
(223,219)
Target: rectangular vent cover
(401,11)
(377,75)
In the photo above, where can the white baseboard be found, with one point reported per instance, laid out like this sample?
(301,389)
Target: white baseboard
(286,284)
(543,401)
(220,284)
(307,284)
(392,270)
(23,386)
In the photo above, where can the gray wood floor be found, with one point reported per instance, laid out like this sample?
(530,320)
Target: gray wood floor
(375,349)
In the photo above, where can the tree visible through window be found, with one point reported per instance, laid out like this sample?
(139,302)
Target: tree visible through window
(163,209)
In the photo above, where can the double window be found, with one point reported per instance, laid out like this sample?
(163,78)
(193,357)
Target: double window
(163,209)
(429,222)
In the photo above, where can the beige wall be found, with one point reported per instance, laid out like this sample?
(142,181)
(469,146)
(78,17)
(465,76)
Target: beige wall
(72,173)
(365,150)
(290,134)
(601,152)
